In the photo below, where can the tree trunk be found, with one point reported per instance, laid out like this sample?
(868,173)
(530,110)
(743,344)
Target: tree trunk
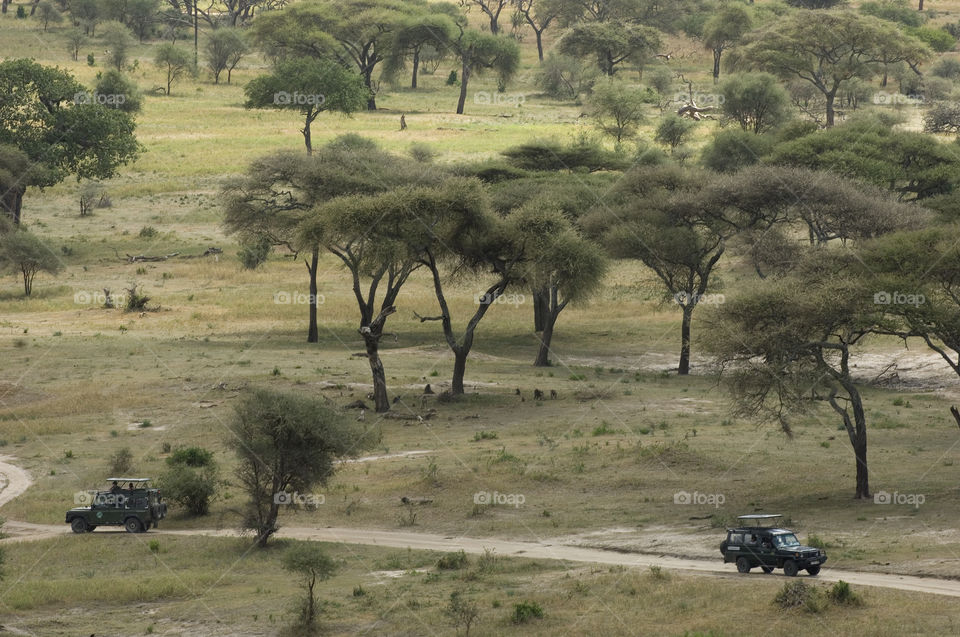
(494,26)
(3,6)
(313,335)
(541,306)
(920,5)
(464,78)
(27,280)
(459,369)
(11,202)
(416,67)
(269,526)
(684,367)
(380,399)
(539,44)
(543,354)
(830,114)
(859,440)
(306,136)
(368,81)
(716,65)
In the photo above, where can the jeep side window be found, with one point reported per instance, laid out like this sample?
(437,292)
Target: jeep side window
(736,538)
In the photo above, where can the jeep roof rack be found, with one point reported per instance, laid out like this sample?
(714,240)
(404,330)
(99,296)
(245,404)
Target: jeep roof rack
(757,518)
(128,479)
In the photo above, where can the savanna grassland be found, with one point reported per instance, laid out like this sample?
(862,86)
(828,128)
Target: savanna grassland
(599,464)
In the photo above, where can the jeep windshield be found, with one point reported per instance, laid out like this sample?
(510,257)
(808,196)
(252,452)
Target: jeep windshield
(786,539)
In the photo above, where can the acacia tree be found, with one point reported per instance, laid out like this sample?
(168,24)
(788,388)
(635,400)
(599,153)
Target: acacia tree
(225,47)
(174,61)
(828,50)
(491,8)
(40,116)
(435,29)
(24,253)
(787,343)
(538,14)
(308,86)
(311,564)
(280,191)
(463,236)
(559,265)
(723,30)
(358,33)
(287,443)
(610,43)
(478,52)
(755,101)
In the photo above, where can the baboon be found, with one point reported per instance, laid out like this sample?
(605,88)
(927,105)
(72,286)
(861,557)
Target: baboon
(537,394)
(553,393)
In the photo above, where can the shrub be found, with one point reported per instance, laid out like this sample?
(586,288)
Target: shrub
(565,77)
(121,461)
(943,117)
(552,155)
(526,611)
(254,254)
(461,612)
(453,561)
(735,148)
(946,67)
(798,594)
(421,152)
(841,593)
(191,457)
(191,488)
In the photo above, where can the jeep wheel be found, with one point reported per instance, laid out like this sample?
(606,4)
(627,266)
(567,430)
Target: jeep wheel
(78,525)
(790,568)
(743,565)
(813,570)
(132,525)
(766,569)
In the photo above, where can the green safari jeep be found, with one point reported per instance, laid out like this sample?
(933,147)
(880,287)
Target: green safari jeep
(769,548)
(129,503)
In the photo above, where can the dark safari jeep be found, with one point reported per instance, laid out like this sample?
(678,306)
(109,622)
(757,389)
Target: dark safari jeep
(129,502)
(769,548)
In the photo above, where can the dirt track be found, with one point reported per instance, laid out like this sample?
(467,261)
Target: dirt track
(17,481)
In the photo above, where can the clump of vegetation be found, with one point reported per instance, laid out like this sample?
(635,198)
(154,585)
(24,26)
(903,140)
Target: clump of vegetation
(461,612)
(311,564)
(191,479)
(484,435)
(842,594)
(799,594)
(121,461)
(453,561)
(254,253)
(526,611)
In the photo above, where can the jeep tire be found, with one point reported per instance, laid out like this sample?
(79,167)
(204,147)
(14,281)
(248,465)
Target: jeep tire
(133,525)
(79,525)
(766,569)
(813,570)
(743,565)
(790,568)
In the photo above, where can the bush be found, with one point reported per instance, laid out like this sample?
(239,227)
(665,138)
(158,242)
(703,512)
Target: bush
(551,155)
(841,593)
(421,152)
(254,254)
(946,67)
(565,77)
(798,594)
(191,457)
(114,83)
(894,11)
(735,148)
(136,302)
(937,39)
(121,462)
(190,487)
(936,88)
(526,611)
(453,561)
(943,117)
(673,130)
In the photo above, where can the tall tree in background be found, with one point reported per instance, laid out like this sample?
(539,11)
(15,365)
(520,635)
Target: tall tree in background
(491,8)
(224,49)
(538,14)
(308,86)
(40,117)
(358,33)
(723,30)
(479,52)
(827,49)
(610,43)
(436,29)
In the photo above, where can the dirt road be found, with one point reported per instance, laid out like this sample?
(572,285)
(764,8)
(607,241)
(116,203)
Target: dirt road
(17,481)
